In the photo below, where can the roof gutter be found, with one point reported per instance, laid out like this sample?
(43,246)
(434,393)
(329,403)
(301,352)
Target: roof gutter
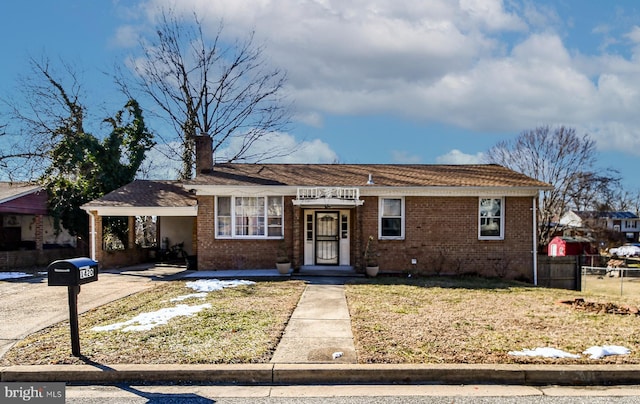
(535,241)
(92,235)
(368,190)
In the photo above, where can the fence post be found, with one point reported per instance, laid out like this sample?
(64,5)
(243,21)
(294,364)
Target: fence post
(578,274)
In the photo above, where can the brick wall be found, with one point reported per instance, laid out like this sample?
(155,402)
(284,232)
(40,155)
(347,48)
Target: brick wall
(221,254)
(123,258)
(36,259)
(441,233)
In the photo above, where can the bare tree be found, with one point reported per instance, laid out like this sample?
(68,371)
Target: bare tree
(557,156)
(52,146)
(208,86)
(35,116)
(12,156)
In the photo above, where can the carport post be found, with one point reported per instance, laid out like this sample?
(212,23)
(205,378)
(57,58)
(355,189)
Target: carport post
(73,319)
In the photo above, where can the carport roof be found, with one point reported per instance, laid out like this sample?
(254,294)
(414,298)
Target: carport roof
(146,198)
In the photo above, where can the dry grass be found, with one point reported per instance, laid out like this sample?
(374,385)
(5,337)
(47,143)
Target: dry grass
(628,286)
(435,320)
(394,320)
(243,325)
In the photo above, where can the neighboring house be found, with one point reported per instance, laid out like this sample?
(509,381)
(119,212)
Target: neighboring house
(25,228)
(424,218)
(583,222)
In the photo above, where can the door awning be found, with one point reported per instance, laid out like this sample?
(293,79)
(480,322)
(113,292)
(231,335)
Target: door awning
(327,196)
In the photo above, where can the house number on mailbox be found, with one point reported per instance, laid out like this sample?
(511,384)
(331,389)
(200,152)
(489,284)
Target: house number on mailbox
(86,272)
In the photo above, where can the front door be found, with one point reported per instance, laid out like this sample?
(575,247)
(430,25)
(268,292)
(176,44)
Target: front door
(327,238)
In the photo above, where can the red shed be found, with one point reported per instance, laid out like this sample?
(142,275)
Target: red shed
(564,246)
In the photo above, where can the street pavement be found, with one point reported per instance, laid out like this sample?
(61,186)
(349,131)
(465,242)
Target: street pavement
(352,394)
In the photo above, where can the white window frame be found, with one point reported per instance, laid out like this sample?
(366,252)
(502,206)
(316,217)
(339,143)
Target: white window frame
(381,200)
(501,217)
(266,226)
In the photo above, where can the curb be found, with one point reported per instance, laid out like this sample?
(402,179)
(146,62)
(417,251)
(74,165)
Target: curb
(313,374)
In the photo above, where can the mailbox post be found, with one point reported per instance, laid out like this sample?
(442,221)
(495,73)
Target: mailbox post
(72,273)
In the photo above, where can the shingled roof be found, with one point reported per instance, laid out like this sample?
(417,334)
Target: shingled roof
(146,193)
(385,175)
(12,190)
(23,198)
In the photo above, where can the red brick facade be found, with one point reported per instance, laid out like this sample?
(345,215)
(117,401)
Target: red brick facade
(441,234)
(221,254)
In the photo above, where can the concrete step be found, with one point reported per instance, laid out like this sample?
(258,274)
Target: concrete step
(325,270)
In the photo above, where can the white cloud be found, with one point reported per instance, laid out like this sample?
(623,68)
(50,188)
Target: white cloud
(491,13)
(634,34)
(309,118)
(126,36)
(286,146)
(439,61)
(455,156)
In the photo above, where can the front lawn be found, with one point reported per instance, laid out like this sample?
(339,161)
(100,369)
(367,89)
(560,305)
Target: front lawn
(473,320)
(394,320)
(242,325)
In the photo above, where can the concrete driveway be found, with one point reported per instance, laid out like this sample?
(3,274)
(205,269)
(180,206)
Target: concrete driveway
(28,305)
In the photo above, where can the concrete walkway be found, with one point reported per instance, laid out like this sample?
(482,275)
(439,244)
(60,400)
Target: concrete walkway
(319,330)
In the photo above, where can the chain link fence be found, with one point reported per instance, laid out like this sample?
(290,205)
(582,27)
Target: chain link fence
(611,276)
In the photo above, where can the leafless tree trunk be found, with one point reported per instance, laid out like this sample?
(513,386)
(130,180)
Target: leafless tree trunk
(558,157)
(211,87)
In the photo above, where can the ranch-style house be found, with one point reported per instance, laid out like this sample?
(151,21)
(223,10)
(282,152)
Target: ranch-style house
(427,219)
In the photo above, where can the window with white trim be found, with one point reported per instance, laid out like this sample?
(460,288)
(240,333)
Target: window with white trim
(391,218)
(249,217)
(491,219)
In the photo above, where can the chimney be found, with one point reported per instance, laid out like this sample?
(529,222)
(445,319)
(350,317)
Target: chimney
(204,154)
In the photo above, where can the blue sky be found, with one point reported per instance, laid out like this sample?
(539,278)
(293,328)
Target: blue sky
(416,81)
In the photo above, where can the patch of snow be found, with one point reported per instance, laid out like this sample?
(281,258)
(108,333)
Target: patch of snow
(13,275)
(597,352)
(146,321)
(545,353)
(185,297)
(211,285)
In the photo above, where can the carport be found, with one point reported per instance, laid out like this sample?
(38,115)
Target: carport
(173,212)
